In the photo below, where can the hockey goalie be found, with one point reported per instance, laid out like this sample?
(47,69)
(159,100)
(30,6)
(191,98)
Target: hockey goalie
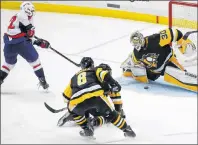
(153,56)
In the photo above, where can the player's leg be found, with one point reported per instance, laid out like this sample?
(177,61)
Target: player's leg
(77,112)
(152,76)
(117,101)
(181,78)
(105,108)
(29,53)
(10,55)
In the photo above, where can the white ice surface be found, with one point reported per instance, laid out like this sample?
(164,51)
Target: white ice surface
(161,114)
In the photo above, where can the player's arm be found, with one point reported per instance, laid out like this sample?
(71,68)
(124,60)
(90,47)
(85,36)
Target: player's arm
(25,25)
(169,35)
(67,93)
(105,77)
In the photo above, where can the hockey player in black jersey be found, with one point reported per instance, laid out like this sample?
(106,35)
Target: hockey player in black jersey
(84,92)
(99,120)
(153,56)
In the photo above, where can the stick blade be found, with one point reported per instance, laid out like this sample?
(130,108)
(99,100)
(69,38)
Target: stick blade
(49,108)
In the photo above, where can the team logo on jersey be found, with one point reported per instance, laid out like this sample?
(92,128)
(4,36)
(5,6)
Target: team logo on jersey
(150,60)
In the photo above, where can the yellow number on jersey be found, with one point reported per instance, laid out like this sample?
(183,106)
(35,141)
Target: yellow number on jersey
(165,37)
(82,78)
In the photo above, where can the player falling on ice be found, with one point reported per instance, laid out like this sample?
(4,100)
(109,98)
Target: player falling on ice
(97,119)
(84,92)
(153,57)
(19,40)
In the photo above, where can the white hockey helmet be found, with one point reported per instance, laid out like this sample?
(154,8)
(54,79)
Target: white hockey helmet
(137,40)
(28,8)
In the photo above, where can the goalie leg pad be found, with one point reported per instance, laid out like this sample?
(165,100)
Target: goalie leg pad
(138,73)
(181,79)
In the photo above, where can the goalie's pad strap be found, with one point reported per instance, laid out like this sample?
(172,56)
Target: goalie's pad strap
(181,79)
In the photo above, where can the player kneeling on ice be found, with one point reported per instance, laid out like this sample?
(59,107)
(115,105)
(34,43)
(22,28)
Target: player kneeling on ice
(97,118)
(85,93)
(19,39)
(153,57)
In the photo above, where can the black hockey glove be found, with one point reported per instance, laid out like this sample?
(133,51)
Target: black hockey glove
(115,87)
(42,43)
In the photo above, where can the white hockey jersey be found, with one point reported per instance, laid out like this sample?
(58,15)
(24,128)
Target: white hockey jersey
(14,29)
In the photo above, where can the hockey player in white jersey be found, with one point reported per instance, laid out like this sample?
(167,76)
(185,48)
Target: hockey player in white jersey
(19,40)
(153,57)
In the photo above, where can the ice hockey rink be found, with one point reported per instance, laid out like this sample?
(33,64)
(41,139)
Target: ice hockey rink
(162,114)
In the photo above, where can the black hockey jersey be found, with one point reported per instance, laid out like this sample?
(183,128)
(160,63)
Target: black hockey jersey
(84,85)
(157,50)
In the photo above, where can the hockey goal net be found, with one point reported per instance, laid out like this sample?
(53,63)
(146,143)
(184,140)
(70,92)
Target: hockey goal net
(183,15)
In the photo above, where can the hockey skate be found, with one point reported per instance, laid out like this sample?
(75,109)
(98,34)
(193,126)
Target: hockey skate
(128,132)
(65,118)
(43,83)
(88,131)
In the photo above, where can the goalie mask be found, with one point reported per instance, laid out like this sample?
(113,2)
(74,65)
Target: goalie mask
(137,40)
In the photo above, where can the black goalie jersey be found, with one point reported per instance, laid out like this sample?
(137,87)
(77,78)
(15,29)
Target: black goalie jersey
(157,51)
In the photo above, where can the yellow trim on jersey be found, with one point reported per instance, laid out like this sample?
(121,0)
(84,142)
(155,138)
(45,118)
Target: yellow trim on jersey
(117,102)
(170,79)
(85,97)
(113,94)
(165,37)
(68,91)
(176,35)
(100,73)
(116,98)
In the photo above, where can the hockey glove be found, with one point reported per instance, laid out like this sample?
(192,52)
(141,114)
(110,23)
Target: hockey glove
(42,43)
(115,87)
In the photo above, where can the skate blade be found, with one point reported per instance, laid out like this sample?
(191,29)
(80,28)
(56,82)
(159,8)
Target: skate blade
(90,137)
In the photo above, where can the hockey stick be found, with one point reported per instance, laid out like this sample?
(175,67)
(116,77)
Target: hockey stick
(188,33)
(54,110)
(78,65)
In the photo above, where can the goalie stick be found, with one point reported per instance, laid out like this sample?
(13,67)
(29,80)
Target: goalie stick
(188,33)
(54,110)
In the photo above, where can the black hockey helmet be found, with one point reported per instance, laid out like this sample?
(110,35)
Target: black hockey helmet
(86,62)
(105,67)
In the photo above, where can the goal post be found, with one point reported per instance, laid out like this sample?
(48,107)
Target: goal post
(183,14)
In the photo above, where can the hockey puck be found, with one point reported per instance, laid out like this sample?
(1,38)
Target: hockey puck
(146,87)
